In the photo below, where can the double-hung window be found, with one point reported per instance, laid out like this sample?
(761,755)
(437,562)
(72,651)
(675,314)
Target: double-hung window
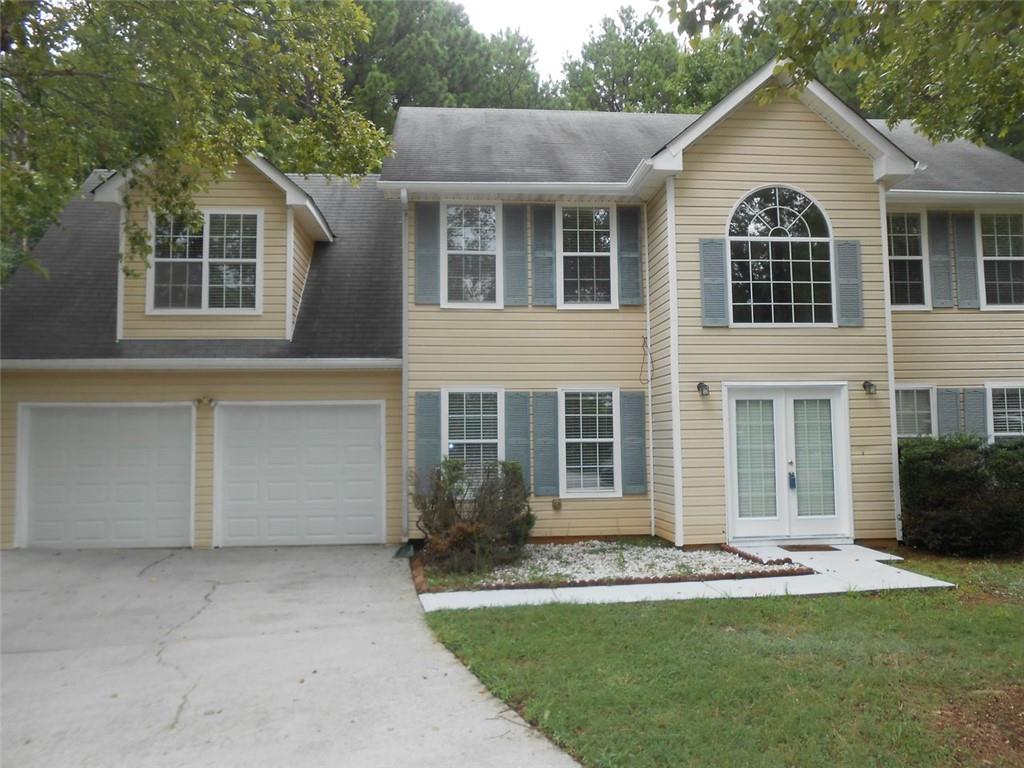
(587,269)
(212,264)
(780,260)
(590,442)
(908,273)
(1002,258)
(1007,412)
(914,414)
(474,430)
(472,258)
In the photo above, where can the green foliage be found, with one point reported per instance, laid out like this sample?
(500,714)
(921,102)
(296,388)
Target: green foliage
(953,67)
(176,87)
(427,54)
(963,496)
(627,65)
(469,526)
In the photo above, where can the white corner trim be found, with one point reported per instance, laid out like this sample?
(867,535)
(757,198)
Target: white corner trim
(205,363)
(289,280)
(674,377)
(890,371)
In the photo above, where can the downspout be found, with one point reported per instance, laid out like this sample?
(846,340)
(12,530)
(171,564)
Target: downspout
(890,367)
(649,362)
(405,364)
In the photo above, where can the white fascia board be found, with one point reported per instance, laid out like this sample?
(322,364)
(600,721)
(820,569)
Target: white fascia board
(206,363)
(890,162)
(295,197)
(505,190)
(954,197)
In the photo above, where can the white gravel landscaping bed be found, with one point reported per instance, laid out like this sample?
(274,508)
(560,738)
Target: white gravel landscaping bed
(609,561)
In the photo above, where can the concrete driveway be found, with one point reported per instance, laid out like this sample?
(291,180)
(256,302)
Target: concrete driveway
(247,657)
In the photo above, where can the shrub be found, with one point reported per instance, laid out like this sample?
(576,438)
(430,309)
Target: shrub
(469,527)
(961,496)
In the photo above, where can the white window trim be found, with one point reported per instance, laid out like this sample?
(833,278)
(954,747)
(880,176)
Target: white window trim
(611,493)
(982,293)
(933,405)
(613,256)
(925,261)
(206,211)
(477,389)
(831,258)
(499,257)
(990,406)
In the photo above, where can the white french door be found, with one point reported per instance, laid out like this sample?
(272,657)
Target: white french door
(788,449)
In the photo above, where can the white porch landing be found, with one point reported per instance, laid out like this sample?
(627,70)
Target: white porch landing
(845,568)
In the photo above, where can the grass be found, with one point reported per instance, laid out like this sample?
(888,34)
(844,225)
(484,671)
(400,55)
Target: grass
(895,679)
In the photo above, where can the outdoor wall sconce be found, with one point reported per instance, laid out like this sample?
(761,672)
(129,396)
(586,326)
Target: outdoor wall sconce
(703,389)
(869,387)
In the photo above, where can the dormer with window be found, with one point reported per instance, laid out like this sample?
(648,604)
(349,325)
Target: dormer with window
(237,271)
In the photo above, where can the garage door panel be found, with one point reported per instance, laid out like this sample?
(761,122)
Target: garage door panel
(108,476)
(300,474)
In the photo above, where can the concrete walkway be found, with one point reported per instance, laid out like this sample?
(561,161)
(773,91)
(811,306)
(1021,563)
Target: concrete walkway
(249,657)
(850,568)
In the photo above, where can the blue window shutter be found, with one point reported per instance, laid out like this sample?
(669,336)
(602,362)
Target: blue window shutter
(939,259)
(947,403)
(849,287)
(976,412)
(514,255)
(428,437)
(544,255)
(428,253)
(517,431)
(630,268)
(966,261)
(713,285)
(633,422)
(546,449)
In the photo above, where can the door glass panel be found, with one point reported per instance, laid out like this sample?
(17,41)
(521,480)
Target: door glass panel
(755,457)
(815,474)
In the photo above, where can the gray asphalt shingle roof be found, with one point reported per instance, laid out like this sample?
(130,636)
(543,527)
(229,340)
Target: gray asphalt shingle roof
(351,306)
(527,145)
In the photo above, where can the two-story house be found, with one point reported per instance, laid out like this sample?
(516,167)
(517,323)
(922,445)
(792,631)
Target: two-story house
(711,328)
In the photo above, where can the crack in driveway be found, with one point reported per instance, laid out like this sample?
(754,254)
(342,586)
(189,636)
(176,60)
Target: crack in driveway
(168,556)
(163,643)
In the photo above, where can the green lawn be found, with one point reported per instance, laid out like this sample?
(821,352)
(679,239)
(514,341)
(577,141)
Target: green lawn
(897,679)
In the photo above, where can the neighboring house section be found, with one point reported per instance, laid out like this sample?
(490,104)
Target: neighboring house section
(709,328)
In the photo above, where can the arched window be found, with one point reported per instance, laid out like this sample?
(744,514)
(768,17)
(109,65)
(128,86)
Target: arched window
(780,254)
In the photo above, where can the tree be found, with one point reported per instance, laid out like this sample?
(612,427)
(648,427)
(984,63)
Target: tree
(173,87)
(627,65)
(955,68)
(713,66)
(427,54)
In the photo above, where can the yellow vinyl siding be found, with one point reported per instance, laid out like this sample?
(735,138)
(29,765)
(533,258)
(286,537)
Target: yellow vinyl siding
(182,386)
(661,385)
(952,347)
(304,245)
(246,187)
(530,349)
(781,143)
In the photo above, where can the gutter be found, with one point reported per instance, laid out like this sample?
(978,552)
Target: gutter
(405,363)
(206,363)
(953,196)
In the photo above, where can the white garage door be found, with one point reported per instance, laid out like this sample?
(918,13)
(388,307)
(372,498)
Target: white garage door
(300,474)
(108,476)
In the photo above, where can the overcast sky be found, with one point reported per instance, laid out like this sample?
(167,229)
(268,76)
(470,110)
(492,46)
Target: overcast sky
(558,28)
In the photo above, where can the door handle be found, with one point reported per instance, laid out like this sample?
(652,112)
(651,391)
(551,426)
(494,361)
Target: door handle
(792,481)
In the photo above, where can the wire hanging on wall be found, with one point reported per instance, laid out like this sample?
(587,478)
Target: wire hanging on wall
(647,366)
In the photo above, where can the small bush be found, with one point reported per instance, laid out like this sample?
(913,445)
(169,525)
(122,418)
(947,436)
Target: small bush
(469,527)
(962,496)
